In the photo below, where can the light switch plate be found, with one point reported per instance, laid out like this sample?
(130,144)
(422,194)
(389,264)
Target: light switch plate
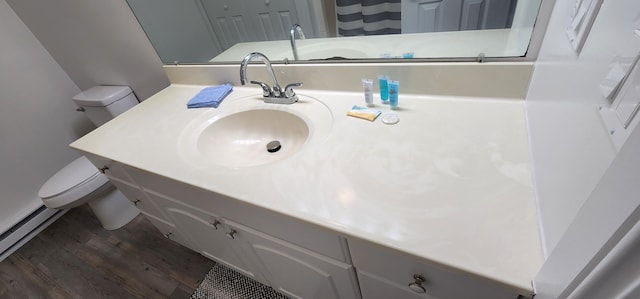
(619,113)
(580,22)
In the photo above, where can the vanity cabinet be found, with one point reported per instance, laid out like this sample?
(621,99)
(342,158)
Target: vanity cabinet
(299,259)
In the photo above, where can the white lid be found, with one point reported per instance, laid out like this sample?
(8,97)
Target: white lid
(72,175)
(390,118)
(100,96)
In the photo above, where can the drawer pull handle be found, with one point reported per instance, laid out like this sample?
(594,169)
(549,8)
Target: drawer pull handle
(103,169)
(416,285)
(215,224)
(168,235)
(232,234)
(136,202)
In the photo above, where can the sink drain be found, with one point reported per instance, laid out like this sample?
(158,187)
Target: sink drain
(273,146)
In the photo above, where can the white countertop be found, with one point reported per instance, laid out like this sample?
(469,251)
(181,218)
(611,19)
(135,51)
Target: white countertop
(451,182)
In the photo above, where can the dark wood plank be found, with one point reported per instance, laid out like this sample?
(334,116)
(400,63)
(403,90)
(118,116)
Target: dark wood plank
(76,258)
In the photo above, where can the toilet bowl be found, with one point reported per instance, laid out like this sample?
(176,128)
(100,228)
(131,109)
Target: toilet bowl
(80,181)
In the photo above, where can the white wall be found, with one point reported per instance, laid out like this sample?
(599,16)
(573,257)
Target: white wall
(180,30)
(570,146)
(37,118)
(96,42)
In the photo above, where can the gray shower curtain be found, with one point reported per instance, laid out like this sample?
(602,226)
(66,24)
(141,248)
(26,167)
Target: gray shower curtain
(368,17)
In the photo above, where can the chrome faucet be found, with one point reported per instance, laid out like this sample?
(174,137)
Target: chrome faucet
(269,95)
(292,38)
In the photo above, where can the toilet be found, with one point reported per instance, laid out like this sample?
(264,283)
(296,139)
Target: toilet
(80,181)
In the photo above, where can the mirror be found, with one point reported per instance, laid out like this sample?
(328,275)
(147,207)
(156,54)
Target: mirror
(224,31)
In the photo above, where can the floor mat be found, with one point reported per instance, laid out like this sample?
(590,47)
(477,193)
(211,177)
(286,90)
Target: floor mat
(224,283)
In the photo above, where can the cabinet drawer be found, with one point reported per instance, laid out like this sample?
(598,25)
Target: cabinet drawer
(171,204)
(376,287)
(397,270)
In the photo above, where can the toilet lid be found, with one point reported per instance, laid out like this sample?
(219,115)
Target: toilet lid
(76,173)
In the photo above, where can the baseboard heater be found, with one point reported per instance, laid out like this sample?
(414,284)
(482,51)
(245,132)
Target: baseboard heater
(25,230)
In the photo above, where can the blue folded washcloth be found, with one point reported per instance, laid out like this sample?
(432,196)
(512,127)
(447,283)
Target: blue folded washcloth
(210,96)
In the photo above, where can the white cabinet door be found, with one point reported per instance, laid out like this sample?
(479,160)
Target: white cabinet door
(139,199)
(170,232)
(212,242)
(295,271)
(206,233)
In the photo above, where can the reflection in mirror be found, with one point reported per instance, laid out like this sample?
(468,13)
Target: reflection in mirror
(222,31)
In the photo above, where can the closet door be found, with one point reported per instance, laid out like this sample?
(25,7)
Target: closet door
(231,21)
(453,15)
(275,17)
(487,14)
(430,16)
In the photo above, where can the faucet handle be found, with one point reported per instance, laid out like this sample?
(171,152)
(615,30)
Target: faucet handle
(288,90)
(266,90)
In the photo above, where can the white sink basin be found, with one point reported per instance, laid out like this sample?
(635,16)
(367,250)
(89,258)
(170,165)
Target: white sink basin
(240,139)
(236,134)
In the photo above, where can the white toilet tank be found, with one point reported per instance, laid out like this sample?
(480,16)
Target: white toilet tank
(103,103)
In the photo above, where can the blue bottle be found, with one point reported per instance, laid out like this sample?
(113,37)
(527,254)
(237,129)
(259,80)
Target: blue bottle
(393,93)
(384,89)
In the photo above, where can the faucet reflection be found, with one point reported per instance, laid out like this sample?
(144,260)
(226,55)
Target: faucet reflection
(269,95)
(292,38)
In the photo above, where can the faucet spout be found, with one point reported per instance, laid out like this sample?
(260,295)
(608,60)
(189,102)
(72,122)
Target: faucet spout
(276,95)
(267,63)
(292,38)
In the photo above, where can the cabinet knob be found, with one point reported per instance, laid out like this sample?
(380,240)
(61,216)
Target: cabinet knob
(168,235)
(103,169)
(215,224)
(416,285)
(232,234)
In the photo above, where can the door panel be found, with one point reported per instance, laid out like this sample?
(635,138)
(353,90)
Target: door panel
(453,15)
(231,21)
(211,242)
(297,272)
(275,17)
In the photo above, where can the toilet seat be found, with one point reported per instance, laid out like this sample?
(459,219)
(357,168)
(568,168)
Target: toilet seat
(70,186)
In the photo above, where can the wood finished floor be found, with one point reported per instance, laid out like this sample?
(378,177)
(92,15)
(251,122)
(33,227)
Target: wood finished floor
(76,258)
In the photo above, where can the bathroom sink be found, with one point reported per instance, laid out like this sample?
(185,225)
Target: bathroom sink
(241,139)
(247,132)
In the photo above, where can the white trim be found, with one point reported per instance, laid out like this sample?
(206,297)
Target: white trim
(28,230)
